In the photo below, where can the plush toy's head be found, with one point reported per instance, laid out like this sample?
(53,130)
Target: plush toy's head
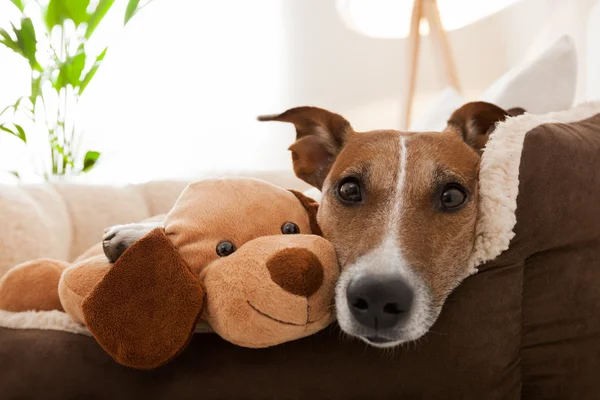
(272,290)
(239,253)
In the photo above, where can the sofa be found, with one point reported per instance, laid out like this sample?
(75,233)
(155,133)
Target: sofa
(525,326)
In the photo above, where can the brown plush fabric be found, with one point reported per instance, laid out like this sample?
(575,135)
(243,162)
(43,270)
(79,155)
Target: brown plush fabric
(144,311)
(311,206)
(32,286)
(297,271)
(198,222)
(246,305)
(78,281)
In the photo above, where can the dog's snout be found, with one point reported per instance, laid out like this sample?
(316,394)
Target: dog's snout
(297,271)
(379,302)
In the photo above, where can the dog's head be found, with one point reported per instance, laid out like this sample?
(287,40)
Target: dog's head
(400,209)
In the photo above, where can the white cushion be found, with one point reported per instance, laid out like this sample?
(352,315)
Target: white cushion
(543,83)
(435,117)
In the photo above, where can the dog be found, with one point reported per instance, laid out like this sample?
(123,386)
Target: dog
(400,209)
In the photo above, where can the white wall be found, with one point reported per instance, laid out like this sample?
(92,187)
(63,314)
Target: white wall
(593,50)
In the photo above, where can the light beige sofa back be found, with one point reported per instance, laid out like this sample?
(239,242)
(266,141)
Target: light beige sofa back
(61,221)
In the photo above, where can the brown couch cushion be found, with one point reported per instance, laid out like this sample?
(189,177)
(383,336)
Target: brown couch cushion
(558,241)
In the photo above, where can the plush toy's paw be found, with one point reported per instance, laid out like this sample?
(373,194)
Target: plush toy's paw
(32,286)
(118,238)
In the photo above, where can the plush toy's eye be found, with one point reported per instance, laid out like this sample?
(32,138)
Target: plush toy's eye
(225,248)
(290,228)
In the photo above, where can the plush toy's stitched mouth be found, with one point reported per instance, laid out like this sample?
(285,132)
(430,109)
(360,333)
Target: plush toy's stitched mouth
(278,320)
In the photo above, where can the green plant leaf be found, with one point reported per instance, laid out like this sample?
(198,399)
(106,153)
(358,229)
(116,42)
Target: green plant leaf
(55,14)
(25,43)
(97,16)
(8,41)
(132,8)
(29,43)
(19,4)
(5,129)
(70,71)
(20,133)
(15,174)
(58,11)
(36,89)
(90,160)
(90,74)
(13,106)
(77,64)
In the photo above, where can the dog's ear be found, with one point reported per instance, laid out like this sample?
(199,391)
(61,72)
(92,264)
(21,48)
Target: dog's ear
(320,135)
(311,206)
(476,121)
(144,311)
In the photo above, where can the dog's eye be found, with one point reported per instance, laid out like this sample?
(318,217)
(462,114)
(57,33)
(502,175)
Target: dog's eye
(453,196)
(348,191)
(290,228)
(225,248)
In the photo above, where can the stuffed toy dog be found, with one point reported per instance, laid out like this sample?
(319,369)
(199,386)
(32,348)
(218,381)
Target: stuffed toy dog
(240,254)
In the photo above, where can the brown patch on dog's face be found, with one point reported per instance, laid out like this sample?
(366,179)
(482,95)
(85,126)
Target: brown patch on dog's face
(436,242)
(372,159)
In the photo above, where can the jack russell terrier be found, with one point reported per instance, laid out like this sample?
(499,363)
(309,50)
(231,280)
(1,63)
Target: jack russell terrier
(400,209)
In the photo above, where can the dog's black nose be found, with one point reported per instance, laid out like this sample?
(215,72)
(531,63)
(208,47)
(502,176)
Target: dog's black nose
(379,302)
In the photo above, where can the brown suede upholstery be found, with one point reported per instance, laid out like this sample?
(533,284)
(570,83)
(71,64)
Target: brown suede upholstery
(527,326)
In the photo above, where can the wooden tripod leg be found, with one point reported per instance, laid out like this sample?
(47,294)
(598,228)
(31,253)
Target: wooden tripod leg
(413,53)
(441,43)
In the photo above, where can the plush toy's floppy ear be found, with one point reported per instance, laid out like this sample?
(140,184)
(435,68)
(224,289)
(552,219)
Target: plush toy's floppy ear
(320,135)
(144,311)
(311,206)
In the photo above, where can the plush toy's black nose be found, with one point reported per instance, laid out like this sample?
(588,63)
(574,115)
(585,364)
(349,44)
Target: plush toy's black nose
(379,302)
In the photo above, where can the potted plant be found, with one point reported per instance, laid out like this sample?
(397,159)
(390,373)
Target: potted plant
(52,36)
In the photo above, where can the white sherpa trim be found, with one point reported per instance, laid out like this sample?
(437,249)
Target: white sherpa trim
(57,321)
(499,179)
(46,320)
